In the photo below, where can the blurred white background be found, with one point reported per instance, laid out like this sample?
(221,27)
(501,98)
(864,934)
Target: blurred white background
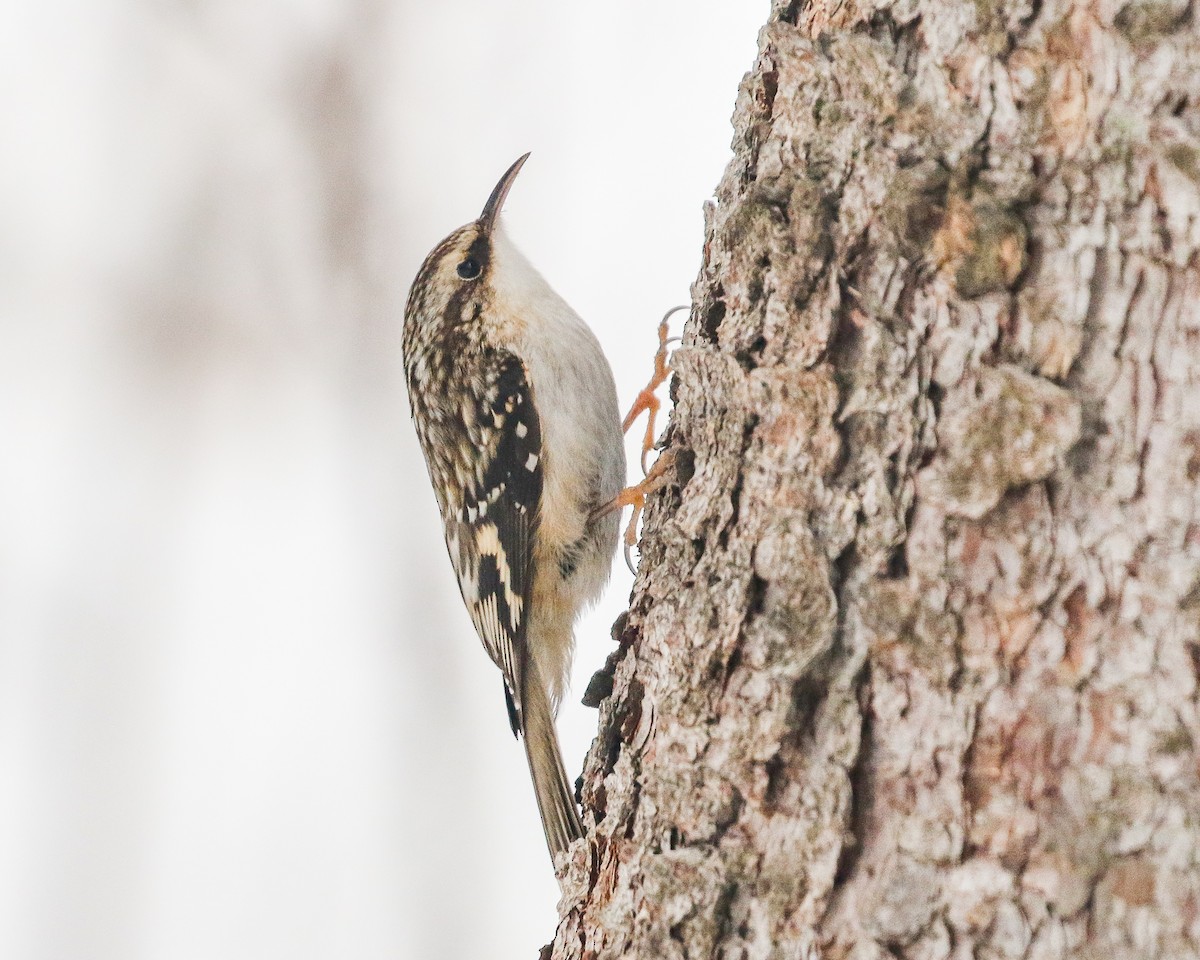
(242,712)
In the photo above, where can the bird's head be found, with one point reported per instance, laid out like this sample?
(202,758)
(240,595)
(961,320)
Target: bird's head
(456,278)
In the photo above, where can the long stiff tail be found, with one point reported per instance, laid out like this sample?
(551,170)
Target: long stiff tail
(555,797)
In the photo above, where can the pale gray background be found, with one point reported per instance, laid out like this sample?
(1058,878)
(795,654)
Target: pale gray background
(242,713)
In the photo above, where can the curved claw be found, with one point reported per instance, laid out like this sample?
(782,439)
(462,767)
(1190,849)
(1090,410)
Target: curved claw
(627,550)
(670,313)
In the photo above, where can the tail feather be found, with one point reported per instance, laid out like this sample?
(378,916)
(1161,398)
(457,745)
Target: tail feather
(555,796)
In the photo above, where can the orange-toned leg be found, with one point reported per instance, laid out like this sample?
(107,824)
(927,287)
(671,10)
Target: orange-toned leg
(635,497)
(647,400)
(655,476)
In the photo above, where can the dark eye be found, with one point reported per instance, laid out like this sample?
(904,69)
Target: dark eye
(469,269)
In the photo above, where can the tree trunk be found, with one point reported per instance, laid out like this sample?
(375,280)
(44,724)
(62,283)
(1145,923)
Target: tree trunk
(910,668)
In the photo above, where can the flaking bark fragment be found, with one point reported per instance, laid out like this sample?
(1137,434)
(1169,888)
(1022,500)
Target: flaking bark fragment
(1000,429)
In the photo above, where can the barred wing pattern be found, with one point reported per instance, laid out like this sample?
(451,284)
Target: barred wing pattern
(490,536)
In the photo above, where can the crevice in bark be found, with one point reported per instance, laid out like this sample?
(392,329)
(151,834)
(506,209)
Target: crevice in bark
(808,696)
(789,12)
(713,316)
(735,494)
(862,797)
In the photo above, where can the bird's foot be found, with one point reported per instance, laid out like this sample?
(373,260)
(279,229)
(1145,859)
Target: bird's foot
(635,496)
(647,399)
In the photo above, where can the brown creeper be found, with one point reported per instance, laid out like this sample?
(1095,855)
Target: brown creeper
(516,412)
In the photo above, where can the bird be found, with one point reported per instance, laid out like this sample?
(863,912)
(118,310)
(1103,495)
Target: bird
(515,410)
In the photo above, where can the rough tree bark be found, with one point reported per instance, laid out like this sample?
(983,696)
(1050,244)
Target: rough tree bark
(910,668)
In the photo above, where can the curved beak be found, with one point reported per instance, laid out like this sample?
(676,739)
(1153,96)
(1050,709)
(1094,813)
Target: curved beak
(491,209)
